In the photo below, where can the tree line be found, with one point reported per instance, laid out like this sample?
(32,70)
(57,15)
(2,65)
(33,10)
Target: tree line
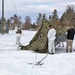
(66,20)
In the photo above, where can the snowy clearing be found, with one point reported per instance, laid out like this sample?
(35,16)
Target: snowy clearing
(15,62)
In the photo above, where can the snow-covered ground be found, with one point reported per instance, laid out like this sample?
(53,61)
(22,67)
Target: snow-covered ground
(15,62)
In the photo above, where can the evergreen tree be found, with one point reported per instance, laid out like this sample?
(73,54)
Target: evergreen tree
(33,26)
(44,17)
(54,16)
(39,20)
(50,18)
(67,16)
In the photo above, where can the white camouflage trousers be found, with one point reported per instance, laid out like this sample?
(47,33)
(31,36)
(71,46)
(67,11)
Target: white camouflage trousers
(17,40)
(51,46)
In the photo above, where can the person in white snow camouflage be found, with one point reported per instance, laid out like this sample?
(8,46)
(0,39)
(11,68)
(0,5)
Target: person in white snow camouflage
(18,36)
(51,38)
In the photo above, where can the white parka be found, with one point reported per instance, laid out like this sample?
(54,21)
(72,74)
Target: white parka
(51,34)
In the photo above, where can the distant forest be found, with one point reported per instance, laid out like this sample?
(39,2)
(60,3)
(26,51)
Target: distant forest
(67,19)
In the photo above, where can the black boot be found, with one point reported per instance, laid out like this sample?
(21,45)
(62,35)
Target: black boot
(70,51)
(51,53)
(66,51)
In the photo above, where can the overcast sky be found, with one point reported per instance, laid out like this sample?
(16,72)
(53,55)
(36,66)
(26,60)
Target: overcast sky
(33,7)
